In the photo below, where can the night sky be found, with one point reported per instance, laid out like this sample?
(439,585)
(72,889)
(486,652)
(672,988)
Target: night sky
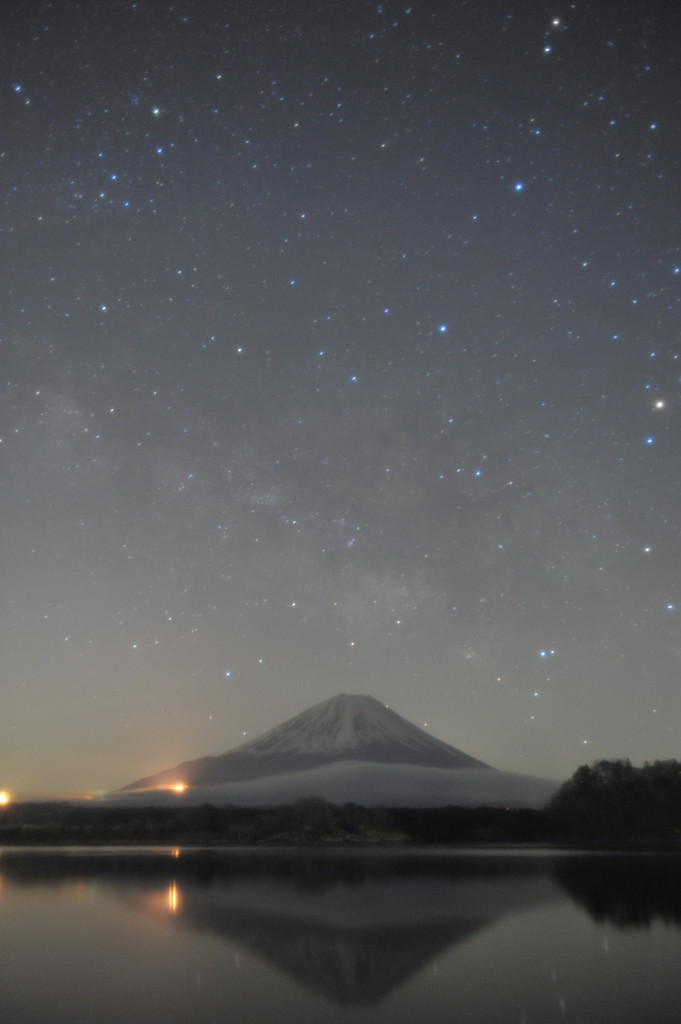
(339,352)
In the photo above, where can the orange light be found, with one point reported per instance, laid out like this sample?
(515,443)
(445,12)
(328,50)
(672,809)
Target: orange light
(173,898)
(179,788)
(4,797)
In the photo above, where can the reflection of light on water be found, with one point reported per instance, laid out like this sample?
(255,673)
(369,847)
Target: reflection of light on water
(173,898)
(167,901)
(175,852)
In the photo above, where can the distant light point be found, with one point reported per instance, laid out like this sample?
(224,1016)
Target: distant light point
(519,186)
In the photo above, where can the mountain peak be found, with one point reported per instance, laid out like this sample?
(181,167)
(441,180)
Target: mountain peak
(347,727)
(356,727)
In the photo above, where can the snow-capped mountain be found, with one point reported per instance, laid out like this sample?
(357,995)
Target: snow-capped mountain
(347,727)
(352,727)
(347,749)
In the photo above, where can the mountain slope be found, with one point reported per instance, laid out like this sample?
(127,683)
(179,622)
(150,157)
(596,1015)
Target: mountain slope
(344,728)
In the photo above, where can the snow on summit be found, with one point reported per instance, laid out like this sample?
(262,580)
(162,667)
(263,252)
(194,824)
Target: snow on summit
(350,726)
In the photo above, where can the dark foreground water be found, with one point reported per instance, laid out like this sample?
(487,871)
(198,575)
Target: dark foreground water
(258,936)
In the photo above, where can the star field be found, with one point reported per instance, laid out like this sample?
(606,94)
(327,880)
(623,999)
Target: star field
(340,351)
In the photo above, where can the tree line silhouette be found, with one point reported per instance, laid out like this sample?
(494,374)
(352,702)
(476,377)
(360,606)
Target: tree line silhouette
(614,800)
(607,802)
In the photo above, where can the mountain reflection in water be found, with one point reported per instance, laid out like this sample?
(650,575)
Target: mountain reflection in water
(355,938)
(356,926)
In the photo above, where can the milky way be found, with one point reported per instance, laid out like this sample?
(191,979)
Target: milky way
(340,352)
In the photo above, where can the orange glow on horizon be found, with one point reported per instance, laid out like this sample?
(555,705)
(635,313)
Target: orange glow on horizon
(4,798)
(179,787)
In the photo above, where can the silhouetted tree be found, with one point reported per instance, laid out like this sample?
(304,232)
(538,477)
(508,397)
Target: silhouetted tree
(613,800)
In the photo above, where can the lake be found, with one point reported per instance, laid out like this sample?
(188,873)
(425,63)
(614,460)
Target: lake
(427,936)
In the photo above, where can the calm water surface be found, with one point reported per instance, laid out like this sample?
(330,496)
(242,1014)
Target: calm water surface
(245,936)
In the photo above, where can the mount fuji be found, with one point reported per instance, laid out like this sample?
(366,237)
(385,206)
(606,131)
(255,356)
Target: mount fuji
(350,748)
